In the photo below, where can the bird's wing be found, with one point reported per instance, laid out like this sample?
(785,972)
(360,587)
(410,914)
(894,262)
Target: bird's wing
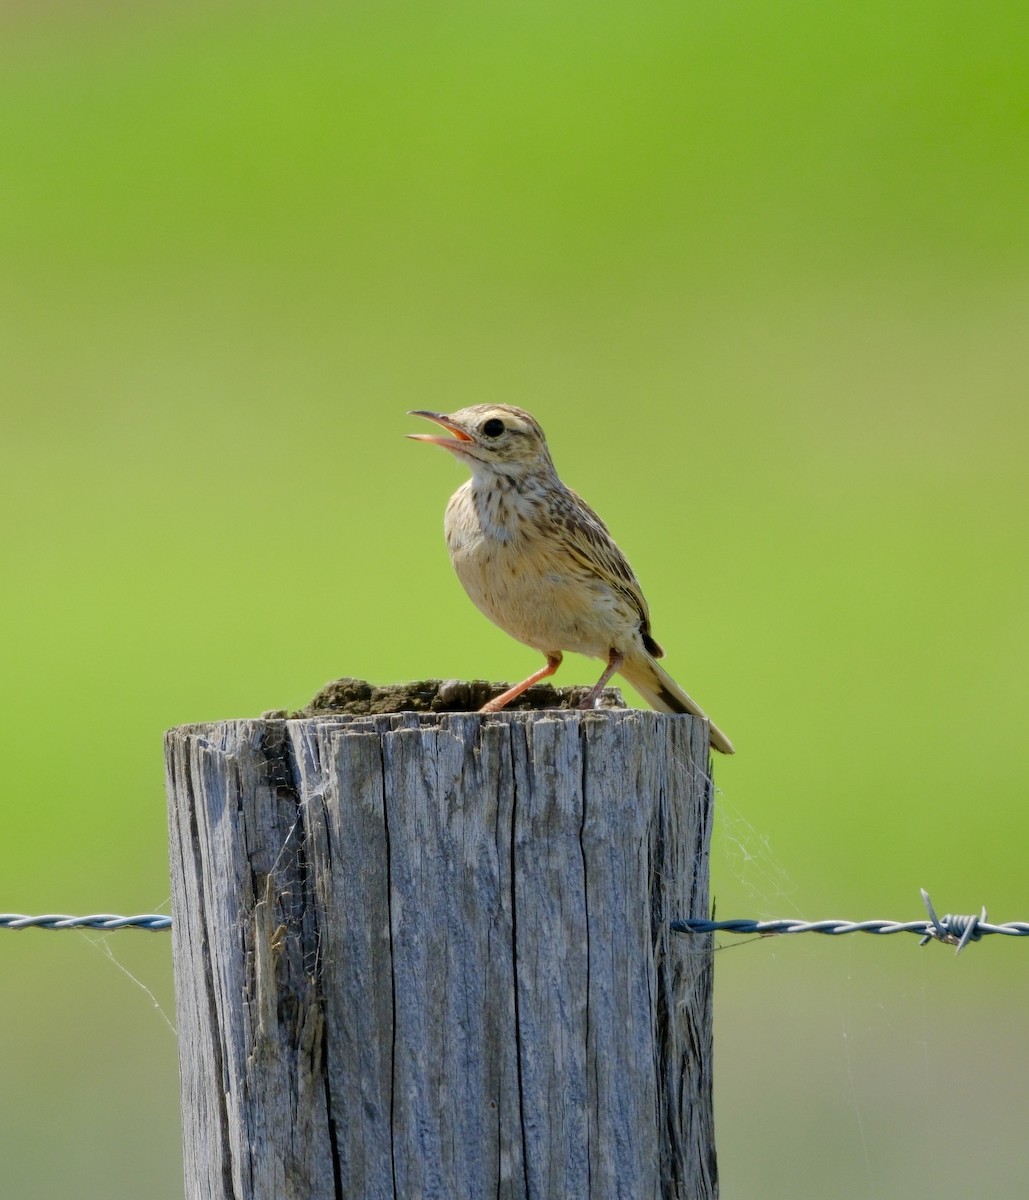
(587,540)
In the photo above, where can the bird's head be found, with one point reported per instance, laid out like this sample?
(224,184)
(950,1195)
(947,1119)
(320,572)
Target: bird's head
(491,438)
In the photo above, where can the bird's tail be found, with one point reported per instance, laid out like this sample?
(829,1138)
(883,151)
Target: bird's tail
(661,691)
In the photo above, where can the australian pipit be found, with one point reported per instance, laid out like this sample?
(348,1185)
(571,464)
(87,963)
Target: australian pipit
(540,563)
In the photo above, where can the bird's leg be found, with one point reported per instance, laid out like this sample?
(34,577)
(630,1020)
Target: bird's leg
(553,662)
(615,658)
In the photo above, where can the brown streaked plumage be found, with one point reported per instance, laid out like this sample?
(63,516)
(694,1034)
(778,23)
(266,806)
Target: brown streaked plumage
(540,563)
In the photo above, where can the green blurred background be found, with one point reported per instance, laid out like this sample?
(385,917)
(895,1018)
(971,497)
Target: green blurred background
(761,271)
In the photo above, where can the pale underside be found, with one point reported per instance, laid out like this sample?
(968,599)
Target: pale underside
(536,582)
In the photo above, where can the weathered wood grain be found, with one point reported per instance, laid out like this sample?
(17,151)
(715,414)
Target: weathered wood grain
(427,956)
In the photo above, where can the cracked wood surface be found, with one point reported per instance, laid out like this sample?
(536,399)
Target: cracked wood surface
(427,956)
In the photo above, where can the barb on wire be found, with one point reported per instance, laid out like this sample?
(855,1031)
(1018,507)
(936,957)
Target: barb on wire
(954,929)
(154,922)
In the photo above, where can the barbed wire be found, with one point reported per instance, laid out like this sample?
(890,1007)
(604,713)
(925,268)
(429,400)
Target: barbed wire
(953,929)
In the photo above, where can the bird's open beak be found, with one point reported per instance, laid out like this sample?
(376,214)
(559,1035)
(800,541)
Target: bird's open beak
(449,443)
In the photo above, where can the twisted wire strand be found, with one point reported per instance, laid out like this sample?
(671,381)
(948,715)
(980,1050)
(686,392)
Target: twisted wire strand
(954,926)
(154,922)
(954,929)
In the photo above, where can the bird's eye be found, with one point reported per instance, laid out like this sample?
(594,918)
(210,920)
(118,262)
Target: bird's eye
(493,427)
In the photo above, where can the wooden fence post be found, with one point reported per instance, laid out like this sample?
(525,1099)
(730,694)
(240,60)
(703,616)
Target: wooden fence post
(428,956)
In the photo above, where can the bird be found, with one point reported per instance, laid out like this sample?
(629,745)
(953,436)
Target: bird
(539,563)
